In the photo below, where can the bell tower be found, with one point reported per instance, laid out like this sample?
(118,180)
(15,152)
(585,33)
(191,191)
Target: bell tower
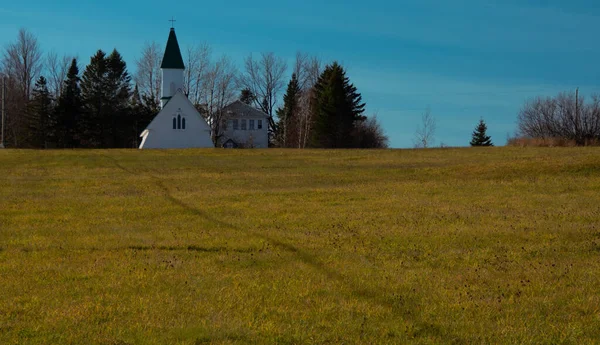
(172,68)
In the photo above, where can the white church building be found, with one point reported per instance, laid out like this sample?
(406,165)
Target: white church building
(178,124)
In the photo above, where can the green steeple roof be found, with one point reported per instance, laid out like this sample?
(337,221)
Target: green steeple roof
(172,58)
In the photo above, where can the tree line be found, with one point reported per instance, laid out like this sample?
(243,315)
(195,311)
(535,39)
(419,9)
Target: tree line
(68,109)
(50,104)
(567,116)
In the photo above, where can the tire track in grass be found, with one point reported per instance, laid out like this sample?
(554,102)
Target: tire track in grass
(422,327)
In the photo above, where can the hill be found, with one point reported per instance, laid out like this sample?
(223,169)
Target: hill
(495,245)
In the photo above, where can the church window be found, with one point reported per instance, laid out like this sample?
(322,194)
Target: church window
(183,123)
(174,123)
(179,121)
(259,124)
(235,125)
(243,124)
(251,125)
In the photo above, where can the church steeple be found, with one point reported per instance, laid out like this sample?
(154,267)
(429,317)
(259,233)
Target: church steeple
(172,68)
(172,58)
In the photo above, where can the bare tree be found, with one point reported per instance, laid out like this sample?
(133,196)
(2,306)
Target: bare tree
(566,116)
(369,134)
(22,61)
(307,69)
(21,64)
(148,75)
(425,134)
(57,69)
(198,63)
(15,122)
(537,118)
(219,89)
(265,78)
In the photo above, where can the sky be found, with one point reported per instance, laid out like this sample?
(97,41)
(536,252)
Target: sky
(464,60)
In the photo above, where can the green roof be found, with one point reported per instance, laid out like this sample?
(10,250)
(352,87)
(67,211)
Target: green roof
(172,58)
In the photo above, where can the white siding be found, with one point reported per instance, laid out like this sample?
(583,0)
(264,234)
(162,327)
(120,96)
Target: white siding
(244,135)
(161,135)
(172,80)
(257,138)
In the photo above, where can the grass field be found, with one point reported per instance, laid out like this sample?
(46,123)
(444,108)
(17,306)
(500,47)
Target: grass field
(457,246)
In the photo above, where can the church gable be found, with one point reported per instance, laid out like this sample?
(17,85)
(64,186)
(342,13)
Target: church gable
(179,105)
(177,125)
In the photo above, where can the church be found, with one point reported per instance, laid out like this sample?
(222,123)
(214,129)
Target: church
(178,124)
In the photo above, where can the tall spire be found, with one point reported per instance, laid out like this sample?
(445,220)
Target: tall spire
(172,58)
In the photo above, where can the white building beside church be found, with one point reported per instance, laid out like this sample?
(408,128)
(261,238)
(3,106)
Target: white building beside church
(244,126)
(178,124)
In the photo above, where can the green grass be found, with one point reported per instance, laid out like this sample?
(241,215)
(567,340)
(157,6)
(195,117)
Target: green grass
(456,246)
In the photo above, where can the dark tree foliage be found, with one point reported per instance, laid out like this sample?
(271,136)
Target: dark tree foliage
(480,137)
(97,110)
(337,106)
(247,96)
(121,118)
(94,95)
(142,110)
(68,111)
(105,89)
(368,134)
(288,115)
(40,115)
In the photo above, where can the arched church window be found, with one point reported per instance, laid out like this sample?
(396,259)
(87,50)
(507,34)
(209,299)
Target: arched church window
(174,123)
(183,123)
(178,121)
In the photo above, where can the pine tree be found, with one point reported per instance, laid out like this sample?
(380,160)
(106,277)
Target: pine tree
(288,115)
(479,137)
(136,107)
(143,109)
(336,107)
(95,101)
(120,118)
(247,96)
(106,92)
(68,111)
(40,114)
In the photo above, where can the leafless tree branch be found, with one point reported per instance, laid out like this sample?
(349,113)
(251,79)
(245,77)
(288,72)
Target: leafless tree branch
(198,62)
(148,75)
(425,134)
(265,78)
(57,69)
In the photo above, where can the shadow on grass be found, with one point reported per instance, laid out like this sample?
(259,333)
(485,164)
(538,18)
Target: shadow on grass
(382,298)
(195,249)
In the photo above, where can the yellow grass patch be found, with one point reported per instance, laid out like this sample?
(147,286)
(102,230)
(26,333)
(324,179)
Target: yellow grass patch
(493,245)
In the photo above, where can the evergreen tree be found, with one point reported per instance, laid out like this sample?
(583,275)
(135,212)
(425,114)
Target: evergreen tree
(480,138)
(40,114)
(337,106)
(151,108)
(120,119)
(68,111)
(288,115)
(143,110)
(135,112)
(95,100)
(247,96)
(105,89)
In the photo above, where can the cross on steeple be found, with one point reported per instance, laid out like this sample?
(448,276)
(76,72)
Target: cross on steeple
(172,22)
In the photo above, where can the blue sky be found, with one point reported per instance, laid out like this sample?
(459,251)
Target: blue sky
(463,59)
